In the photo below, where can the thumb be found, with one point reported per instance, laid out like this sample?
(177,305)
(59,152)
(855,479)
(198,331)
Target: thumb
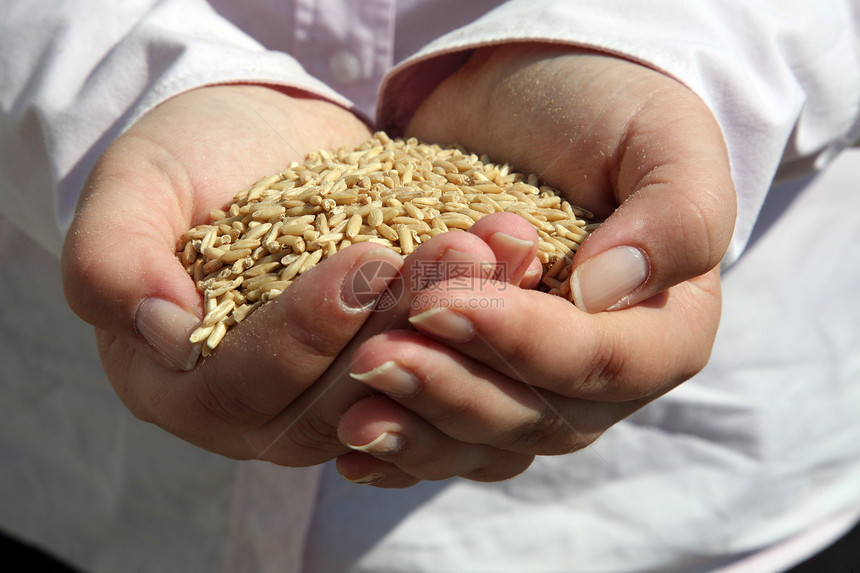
(676,215)
(610,133)
(120,272)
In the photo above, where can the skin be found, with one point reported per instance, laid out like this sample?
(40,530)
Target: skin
(607,132)
(540,377)
(161,177)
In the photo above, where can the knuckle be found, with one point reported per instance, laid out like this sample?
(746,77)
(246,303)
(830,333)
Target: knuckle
(311,432)
(704,229)
(299,441)
(225,403)
(428,470)
(699,234)
(83,278)
(609,375)
(550,434)
(322,334)
(116,356)
(603,374)
(318,342)
(518,351)
(505,465)
(455,417)
(305,440)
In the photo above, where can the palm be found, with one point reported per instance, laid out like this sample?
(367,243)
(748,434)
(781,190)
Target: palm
(606,132)
(206,145)
(164,175)
(630,144)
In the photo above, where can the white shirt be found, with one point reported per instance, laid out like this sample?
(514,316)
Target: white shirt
(751,455)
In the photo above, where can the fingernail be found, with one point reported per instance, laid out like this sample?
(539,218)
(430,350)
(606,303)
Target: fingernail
(390,378)
(166,327)
(444,323)
(462,263)
(456,256)
(369,278)
(369,479)
(608,278)
(532,275)
(386,444)
(512,252)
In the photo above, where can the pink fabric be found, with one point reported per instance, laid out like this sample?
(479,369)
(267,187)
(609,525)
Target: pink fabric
(272,508)
(325,28)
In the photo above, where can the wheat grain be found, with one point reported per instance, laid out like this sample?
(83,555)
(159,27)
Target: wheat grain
(394,192)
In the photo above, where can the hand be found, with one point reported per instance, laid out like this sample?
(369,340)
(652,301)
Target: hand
(161,177)
(532,374)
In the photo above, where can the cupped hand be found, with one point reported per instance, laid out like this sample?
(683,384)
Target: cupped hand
(627,142)
(279,382)
(161,177)
(500,370)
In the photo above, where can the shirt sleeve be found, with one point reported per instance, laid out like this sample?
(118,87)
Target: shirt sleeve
(782,77)
(75,73)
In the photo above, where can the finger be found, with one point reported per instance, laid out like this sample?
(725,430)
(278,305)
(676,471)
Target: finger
(364,469)
(676,217)
(119,252)
(532,276)
(262,364)
(381,428)
(473,403)
(514,242)
(272,357)
(622,356)
(305,431)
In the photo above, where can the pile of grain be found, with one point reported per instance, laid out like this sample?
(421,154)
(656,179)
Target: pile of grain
(398,193)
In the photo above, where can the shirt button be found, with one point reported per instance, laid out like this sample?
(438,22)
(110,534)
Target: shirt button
(344,66)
